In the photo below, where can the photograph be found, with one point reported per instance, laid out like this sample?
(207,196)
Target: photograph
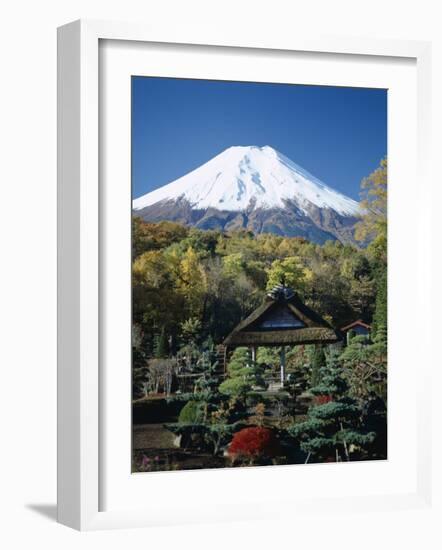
(259,274)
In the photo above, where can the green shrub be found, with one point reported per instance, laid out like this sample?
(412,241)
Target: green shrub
(192,413)
(243,374)
(234,387)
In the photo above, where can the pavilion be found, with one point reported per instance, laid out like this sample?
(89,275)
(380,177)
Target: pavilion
(281,320)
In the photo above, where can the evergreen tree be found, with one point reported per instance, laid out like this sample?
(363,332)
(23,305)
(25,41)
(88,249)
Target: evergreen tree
(333,429)
(190,329)
(379,345)
(365,366)
(161,345)
(380,313)
(243,374)
(209,379)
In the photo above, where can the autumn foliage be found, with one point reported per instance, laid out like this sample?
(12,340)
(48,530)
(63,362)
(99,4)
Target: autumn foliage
(253,442)
(322,399)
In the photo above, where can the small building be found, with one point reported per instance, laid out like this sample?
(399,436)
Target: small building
(282,320)
(357,328)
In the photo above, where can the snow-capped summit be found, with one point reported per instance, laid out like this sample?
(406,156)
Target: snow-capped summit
(243,177)
(256,188)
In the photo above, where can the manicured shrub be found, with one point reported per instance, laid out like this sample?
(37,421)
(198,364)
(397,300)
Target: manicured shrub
(254,442)
(234,387)
(192,413)
(243,374)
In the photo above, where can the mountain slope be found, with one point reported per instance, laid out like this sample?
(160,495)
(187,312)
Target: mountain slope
(256,188)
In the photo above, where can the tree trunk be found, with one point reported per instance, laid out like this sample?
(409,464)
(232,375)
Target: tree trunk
(282,363)
(347,455)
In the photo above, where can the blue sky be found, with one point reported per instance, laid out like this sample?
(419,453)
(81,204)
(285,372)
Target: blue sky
(337,134)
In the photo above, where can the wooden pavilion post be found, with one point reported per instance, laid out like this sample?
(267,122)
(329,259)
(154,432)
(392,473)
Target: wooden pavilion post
(282,365)
(253,350)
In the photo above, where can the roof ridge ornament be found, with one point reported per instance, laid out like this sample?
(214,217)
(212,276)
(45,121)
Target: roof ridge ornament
(281,292)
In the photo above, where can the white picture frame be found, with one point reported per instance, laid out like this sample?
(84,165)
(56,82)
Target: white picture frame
(80,437)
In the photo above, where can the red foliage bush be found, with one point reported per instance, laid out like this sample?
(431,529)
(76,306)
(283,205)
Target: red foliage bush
(254,442)
(322,399)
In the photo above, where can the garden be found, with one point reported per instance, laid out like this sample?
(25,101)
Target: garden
(324,412)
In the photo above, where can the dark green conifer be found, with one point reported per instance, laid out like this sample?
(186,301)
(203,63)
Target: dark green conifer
(380,312)
(332,430)
(161,345)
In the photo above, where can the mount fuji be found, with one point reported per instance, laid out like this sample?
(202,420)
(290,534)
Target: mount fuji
(255,188)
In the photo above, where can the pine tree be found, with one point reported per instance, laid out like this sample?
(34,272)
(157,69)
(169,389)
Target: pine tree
(332,430)
(243,374)
(190,330)
(161,345)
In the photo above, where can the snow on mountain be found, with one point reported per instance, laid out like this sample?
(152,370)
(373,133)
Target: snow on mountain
(241,178)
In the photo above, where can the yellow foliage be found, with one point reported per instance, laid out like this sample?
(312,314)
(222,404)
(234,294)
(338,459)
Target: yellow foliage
(233,264)
(150,268)
(290,271)
(373,224)
(192,282)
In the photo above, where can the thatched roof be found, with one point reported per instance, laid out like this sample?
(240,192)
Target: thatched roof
(282,319)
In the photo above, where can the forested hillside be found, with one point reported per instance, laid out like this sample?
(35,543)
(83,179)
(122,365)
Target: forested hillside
(205,282)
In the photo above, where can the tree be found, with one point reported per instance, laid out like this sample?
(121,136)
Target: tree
(154,236)
(373,225)
(190,330)
(357,270)
(268,356)
(380,312)
(222,425)
(253,444)
(192,282)
(245,294)
(243,374)
(156,301)
(160,374)
(233,264)
(333,428)
(289,270)
(327,291)
(209,419)
(365,366)
(193,412)
(161,345)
